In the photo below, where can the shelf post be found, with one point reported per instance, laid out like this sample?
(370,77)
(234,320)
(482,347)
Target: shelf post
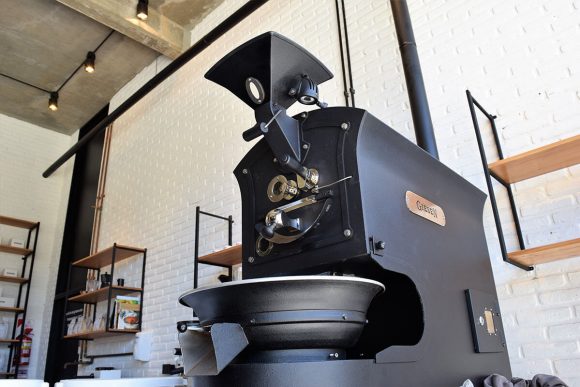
(196,252)
(110,290)
(142,289)
(472,104)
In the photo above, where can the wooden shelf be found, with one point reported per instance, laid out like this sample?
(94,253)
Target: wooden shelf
(15,280)
(7,374)
(549,158)
(17,222)
(14,250)
(102,294)
(547,253)
(10,309)
(105,257)
(98,334)
(12,341)
(227,257)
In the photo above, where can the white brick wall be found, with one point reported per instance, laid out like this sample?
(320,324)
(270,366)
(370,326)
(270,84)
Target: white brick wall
(177,147)
(26,151)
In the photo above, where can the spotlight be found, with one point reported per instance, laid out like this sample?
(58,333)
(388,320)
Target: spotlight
(306,92)
(142,9)
(53,101)
(90,62)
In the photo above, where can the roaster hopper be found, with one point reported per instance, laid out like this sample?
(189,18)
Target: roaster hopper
(337,198)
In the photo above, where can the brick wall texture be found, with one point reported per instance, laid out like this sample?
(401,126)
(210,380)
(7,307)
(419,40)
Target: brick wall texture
(26,151)
(176,149)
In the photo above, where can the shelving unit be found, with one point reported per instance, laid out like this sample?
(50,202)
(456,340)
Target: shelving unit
(506,171)
(23,281)
(107,257)
(226,258)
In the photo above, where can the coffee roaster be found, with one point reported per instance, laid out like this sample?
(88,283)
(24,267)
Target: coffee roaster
(364,257)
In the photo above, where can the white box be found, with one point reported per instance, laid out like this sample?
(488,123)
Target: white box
(17,243)
(8,302)
(10,272)
(108,374)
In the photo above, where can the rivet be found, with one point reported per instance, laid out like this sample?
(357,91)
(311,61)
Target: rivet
(303,115)
(481,321)
(251,259)
(344,126)
(305,146)
(274,160)
(245,171)
(344,316)
(347,233)
(253,321)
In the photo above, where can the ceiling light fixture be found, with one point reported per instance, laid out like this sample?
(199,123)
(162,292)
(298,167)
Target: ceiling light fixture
(90,62)
(142,9)
(53,101)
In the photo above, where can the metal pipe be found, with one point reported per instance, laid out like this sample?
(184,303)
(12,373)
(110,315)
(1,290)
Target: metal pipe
(345,83)
(243,12)
(347,43)
(414,78)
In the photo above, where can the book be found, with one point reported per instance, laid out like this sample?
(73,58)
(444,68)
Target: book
(127,312)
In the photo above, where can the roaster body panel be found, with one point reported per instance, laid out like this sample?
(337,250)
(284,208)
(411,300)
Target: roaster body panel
(419,331)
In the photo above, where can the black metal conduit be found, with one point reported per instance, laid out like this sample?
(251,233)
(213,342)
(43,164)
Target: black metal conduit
(340,42)
(243,12)
(415,86)
(345,59)
(351,88)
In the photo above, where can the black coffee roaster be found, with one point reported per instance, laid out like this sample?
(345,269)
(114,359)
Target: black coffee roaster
(364,257)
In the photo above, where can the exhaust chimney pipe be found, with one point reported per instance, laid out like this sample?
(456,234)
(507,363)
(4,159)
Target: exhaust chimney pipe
(415,87)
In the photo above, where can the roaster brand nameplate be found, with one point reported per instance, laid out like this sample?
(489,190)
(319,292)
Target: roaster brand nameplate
(418,205)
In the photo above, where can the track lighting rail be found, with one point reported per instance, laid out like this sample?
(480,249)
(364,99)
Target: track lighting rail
(243,12)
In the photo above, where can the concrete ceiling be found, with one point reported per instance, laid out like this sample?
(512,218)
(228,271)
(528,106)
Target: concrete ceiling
(42,42)
(187,13)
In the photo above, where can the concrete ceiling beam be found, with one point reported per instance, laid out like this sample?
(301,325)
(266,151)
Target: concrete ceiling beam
(157,32)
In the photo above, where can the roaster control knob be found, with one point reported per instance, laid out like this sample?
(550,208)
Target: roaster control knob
(380,245)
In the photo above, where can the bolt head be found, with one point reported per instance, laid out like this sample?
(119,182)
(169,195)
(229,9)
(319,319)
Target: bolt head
(481,321)
(344,126)
(251,259)
(380,245)
(305,146)
(245,171)
(347,233)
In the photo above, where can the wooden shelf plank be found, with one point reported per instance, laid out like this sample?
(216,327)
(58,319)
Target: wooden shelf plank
(549,158)
(7,374)
(102,294)
(10,309)
(105,257)
(98,334)
(9,341)
(16,280)
(228,257)
(17,222)
(14,250)
(547,253)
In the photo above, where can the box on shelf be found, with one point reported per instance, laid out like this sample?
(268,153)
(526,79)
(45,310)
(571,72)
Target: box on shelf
(10,272)
(9,302)
(17,243)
